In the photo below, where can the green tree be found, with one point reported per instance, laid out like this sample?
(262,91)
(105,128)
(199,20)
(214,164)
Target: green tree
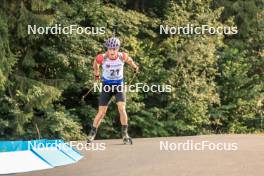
(191,65)
(239,92)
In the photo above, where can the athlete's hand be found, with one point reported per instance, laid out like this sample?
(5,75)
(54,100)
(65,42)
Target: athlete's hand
(136,69)
(96,77)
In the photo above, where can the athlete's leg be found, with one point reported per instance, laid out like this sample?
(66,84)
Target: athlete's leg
(103,104)
(124,121)
(122,112)
(97,120)
(99,116)
(121,104)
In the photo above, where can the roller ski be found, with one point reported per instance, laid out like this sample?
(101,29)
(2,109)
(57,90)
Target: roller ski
(125,136)
(127,140)
(91,136)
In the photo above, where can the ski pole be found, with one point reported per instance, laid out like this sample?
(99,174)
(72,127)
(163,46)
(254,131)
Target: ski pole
(134,75)
(87,93)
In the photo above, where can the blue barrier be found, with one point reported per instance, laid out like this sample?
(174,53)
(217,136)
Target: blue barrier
(10,146)
(44,153)
(71,152)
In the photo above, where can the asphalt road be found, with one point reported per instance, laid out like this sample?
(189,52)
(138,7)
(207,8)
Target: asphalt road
(145,158)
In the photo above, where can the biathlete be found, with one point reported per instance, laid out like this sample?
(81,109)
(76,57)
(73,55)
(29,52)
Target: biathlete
(112,62)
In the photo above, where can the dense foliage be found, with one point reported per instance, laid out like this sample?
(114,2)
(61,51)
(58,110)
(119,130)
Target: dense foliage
(217,80)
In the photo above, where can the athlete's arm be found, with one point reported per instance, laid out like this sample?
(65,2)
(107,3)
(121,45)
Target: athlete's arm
(130,62)
(96,66)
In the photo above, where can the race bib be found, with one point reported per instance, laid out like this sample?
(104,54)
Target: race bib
(113,69)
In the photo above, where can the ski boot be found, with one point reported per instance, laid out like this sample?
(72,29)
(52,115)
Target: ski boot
(125,136)
(91,135)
